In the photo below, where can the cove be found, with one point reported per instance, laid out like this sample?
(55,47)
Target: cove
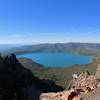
(52,59)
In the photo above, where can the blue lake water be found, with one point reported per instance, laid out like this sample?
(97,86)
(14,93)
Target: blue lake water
(50,59)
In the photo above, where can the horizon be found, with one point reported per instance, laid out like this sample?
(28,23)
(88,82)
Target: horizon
(49,21)
(48,43)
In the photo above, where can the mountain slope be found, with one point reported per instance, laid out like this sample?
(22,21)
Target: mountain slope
(88,48)
(19,82)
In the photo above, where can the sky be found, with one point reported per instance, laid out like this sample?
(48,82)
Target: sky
(49,21)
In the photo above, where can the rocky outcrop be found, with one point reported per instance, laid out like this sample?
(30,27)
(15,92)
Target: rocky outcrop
(84,82)
(16,81)
(83,87)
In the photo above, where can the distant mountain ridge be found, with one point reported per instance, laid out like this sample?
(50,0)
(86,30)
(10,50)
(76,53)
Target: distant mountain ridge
(88,48)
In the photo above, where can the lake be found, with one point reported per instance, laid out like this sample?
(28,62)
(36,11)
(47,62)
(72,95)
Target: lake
(52,59)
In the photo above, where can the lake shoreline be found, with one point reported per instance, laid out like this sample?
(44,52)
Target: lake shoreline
(61,58)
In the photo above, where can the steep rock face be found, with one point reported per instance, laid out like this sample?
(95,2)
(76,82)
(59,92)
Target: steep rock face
(15,80)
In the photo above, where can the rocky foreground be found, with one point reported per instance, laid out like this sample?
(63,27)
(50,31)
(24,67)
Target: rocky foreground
(83,87)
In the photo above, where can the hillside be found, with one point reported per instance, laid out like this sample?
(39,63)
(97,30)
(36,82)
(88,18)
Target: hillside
(33,66)
(61,76)
(84,48)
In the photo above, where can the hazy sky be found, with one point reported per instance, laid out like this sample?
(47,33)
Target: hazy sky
(49,21)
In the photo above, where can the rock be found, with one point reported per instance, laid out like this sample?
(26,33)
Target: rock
(83,83)
(76,98)
(17,81)
(79,87)
(98,85)
(92,96)
(75,76)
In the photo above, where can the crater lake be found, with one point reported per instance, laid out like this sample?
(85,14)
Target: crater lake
(52,59)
